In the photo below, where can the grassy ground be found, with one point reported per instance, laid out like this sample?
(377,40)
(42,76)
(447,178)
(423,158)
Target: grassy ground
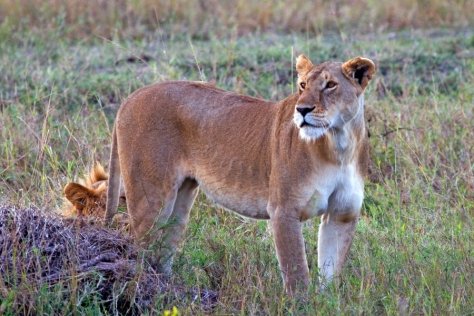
(414,247)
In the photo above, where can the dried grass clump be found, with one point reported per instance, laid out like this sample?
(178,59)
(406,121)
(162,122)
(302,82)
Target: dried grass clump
(39,249)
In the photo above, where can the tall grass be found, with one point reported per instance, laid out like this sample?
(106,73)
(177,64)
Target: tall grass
(79,19)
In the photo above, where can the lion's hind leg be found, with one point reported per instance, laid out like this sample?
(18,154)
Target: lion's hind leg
(150,205)
(174,230)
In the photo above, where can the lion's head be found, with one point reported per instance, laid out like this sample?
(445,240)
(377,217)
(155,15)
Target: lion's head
(331,94)
(89,197)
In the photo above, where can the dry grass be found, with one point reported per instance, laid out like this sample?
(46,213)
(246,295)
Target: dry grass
(39,251)
(79,19)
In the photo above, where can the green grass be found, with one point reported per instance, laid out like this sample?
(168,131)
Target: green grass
(414,246)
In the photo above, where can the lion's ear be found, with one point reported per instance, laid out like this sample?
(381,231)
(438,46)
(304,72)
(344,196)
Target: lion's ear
(360,70)
(78,195)
(303,65)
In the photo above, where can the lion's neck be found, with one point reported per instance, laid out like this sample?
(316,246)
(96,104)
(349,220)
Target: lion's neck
(344,142)
(342,145)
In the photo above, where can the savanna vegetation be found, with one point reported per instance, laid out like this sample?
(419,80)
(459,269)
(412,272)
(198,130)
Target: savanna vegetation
(65,66)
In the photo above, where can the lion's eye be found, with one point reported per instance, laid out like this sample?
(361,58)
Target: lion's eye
(303,85)
(330,84)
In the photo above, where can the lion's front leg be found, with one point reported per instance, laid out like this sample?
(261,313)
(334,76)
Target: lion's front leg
(290,250)
(335,238)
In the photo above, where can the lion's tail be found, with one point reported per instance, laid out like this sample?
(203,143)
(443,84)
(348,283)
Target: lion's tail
(113,192)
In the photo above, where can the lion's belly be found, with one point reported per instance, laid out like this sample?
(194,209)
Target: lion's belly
(249,203)
(339,190)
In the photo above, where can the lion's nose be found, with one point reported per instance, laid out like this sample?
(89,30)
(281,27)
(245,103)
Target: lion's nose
(304,110)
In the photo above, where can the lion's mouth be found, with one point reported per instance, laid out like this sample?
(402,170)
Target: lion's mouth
(316,124)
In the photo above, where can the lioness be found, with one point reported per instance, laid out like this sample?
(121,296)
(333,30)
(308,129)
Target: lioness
(287,161)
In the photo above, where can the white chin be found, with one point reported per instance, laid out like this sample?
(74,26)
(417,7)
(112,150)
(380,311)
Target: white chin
(311,133)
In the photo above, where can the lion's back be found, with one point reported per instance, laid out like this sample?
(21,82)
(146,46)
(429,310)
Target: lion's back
(189,105)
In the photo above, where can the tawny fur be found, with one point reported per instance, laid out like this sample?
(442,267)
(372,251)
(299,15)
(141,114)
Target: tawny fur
(88,197)
(284,161)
